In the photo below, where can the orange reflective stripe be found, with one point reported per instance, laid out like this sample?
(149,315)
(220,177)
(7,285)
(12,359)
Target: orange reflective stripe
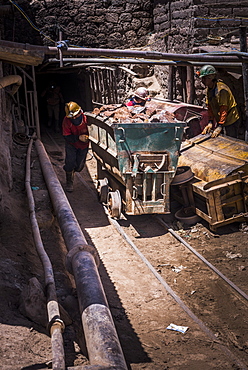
(223,114)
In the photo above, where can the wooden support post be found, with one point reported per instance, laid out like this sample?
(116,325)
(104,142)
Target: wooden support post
(171,82)
(190,85)
(182,75)
(243,48)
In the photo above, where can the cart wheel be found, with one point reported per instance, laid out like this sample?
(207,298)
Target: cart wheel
(103,190)
(183,174)
(188,217)
(114,203)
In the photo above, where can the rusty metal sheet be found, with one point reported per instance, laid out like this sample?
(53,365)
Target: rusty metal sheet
(214,158)
(147,137)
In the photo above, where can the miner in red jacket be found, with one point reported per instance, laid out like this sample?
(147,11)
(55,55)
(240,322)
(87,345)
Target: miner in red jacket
(75,132)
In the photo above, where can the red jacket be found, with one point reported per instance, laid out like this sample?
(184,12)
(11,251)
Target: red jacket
(72,132)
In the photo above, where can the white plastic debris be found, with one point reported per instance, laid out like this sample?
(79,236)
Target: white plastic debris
(194,230)
(233,255)
(181,329)
(178,269)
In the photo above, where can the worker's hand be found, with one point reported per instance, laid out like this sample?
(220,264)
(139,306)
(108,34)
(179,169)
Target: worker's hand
(217,131)
(207,129)
(84,138)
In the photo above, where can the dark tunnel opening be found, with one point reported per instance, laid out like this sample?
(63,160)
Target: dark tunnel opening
(74,86)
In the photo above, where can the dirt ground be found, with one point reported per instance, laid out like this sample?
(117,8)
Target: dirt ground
(140,307)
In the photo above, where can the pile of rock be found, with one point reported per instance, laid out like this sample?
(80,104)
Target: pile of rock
(117,113)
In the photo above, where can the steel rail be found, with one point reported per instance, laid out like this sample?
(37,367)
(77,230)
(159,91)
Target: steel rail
(55,324)
(200,323)
(213,268)
(102,342)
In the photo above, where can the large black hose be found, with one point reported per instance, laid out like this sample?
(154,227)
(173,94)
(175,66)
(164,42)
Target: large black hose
(100,334)
(56,325)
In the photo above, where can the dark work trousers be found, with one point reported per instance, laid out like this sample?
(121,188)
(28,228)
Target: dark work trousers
(233,129)
(53,112)
(74,158)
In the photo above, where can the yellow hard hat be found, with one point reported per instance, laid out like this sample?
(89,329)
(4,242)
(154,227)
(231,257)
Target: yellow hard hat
(72,109)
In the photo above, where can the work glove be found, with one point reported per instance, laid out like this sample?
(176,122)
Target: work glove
(207,129)
(217,131)
(84,138)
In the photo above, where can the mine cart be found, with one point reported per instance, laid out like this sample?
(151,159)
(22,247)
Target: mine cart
(214,179)
(136,163)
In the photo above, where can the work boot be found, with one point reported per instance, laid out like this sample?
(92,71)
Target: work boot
(69,181)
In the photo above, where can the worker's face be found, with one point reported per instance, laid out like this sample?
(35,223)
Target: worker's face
(207,81)
(77,115)
(138,100)
(77,120)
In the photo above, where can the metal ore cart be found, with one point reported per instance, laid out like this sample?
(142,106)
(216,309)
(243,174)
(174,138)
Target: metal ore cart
(136,163)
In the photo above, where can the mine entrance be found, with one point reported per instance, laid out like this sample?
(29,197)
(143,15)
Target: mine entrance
(89,86)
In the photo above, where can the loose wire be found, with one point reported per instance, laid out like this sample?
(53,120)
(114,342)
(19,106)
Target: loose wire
(29,21)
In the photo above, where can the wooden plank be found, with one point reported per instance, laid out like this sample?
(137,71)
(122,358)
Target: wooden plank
(222,182)
(211,206)
(203,215)
(21,56)
(129,190)
(238,218)
(218,205)
(199,190)
(234,199)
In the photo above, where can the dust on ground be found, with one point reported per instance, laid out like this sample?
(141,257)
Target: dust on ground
(141,309)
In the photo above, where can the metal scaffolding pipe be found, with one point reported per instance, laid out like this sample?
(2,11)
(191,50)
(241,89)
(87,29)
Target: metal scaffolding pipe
(200,57)
(204,57)
(89,61)
(55,325)
(101,338)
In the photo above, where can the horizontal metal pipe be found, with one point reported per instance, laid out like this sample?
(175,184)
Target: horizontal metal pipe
(206,57)
(89,61)
(100,333)
(197,57)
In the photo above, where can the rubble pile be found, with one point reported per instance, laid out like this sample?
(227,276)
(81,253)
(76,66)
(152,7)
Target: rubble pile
(117,113)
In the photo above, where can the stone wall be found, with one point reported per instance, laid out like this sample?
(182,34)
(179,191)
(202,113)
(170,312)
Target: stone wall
(183,25)
(89,23)
(163,25)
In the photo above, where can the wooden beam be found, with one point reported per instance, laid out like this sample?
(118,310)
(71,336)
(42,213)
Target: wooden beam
(19,56)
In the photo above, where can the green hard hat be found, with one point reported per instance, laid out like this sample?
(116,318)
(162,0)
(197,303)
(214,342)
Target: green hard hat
(207,70)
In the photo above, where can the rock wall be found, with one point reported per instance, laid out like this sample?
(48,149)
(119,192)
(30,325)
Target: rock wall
(91,23)
(181,25)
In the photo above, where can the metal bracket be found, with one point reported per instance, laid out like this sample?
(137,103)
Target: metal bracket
(80,248)
(56,321)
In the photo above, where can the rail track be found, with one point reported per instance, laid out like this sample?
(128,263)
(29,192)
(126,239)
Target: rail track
(217,303)
(176,255)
